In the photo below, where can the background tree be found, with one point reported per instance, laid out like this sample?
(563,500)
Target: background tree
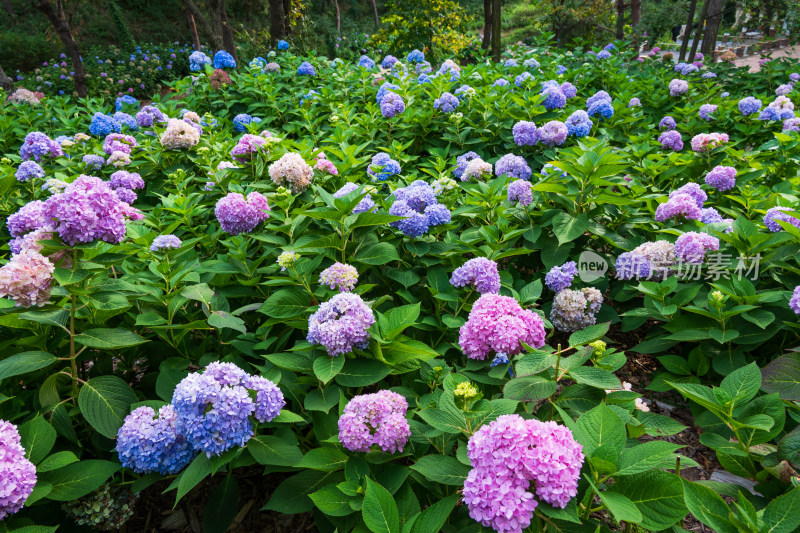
(221,25)
(713,20)
(496,30)
(5,82)
(487,24)
(278,22)
(54,11)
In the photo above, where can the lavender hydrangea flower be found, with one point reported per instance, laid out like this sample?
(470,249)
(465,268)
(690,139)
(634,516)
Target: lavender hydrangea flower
(692,246)
(667,123)
(392,105)
(603,108)
(560,277)
(415,56)
(603,54)
(515,461)
(631,265)
(660,256)
(479,272)
(569,90)
(385,89)
(125,195)
(749,105)
(706,110)
(388,62)
(575,310)
(94,162)
(791,124)
(29,170)
(554,133)
(522,78)
(531,63)
(446,103)
(671,140)
(693,190)
(498,324)
(634,102)
(339,276)
(780,214)
(794,302)
(502,82)
(678,205)
(17,473)
(38,145)
(375,419)
(461,163)
(103,125)
(554,98)
(129,180)
(599,96)
(722,178)
(418,204)
(366,62)
(306,69)
(525,133)
(383,166)
(519,191)
(341,324)
(237,215)
(29,217)
(678,87)
(147,443)
(117,142)
(198,60)
(366,203)
(770,113)
(579,124)
(165,242)
(128,122)
(512,165)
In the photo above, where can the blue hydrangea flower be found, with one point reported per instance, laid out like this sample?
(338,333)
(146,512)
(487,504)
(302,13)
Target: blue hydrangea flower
(415,56)
(561,69)
(147,443)
(257,63)
(554,98)
(514,166)
(383,166)
(125,100)
(198,61)
(447,103)
(531,63)
(424,78)
(365,62)
(223,59)
(306,69)
(31,169)
(602,108)
(283,45)
(560,277)
(102,125)
(126,121)
(511,63)
(461,163)
(388,61)
(385,88)
(310,96)
(465,91)
(392,105)
(418,204)
(603,54)
(502,82)
(749,105)
(519,80)
(579,124)
(242,120)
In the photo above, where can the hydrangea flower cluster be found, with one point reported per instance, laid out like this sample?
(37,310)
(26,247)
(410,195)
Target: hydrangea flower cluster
(579,124)
(17,473)
(667,123)
(118,142)
(179,135)
(514,461)
(293,171)
(366,203)
(560,277)
(339,276)
(678,87)
(680,203)
(89,210)
(165,242)
(148,443)
(461,163)
(38,145)
(519,191)
(418,204)
(93,161)
(150,115)
(287,259)
(554,96)
(671,140)
(383,166)
(525,133)
(103,125)
(214,409)
(392,105)
(599,96)
(791,124)
(651,260)
(375,419)
(29,170)
(476,169)
(23,96)
(498,324)
(722,178)
(366,62)
(575,310)
(198,60)
(706,110)
(247,147)
(306,69)
(415,56)
(27,278)
(128,180)
(513,166)
(237,215)
(779,214)
(634,102)
(630,265)
(242,120)
(705,142)
(446,103)
(479,272)
(341,324)
(691,247)
(794,302)
(553,133)
(223,59)
(388,61)
(324,164)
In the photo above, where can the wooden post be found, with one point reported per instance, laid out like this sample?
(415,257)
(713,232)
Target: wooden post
(688,31)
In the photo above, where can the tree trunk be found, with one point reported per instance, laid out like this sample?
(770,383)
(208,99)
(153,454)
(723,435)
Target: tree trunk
(287,12)
(375,13)
(277,20)
(5,82)
(487,24)
(636,17)
(688,31)
(54,11)
(699,33)
(620,29)
(496,37)
(193,30)
(338,18)
(219,18)
(712,27)
(214,38)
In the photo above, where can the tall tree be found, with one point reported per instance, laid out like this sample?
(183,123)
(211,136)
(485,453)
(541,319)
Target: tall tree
(214,38)
(688,31)
(487,24)
(338,18)
(375,13)
(620,29)
(277,21)
(699,33)
(496,37)
(713,21)
(54,11)
(219,21)
(5,82)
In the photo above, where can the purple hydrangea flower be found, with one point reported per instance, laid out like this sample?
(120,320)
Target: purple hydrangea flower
(599,96)
(129,180)
(237,215)
(525,133)
(554,98)
(385,89)
(634,102)
(383,166)
(560,277)
(339,276)
(149,115)
(554,133)
(366,62)
(29,170)
(749,105)
(693,190)
(671,140)
(30,217)
(388,62)
(678,87)
(667,123)
(679,205)
(418,204)
(722,178)
(38,145)
(631,265)
(366,203)
(165,242)
(794,302)
(341,324)
(520,191)
(512,165)
(692,246)
(772,217)
(17,473)
(569,90)
(392,105)
(479,272)
(706,110)
(461,163)
(147,443)
(446,103)
(375,419)
(791,124)
(579,124)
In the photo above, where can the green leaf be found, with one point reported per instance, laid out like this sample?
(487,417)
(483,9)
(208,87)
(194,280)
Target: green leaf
(78,479)
(105,401)
(197,471)
(595,377)
(326,367)
(442,469)
(443,420)
(621,507)
(322,399)
(286,303)
(108,339)
(590,334)
(598,427)
(361,372)
(37,437)
(332,501)
(657,494)
(25,362)
(325,459)
(379,253)
(200,292)
(400,318)
(645,456)
(529,388)
(56,461)
(57,317)
(287,417)
(707,506)
(743,384)
(568,227)
(379,510)
(221,319)
(781,375)
(221,506)
(781,514)
(270,450)
(291,496)
(66,276)
(434,517)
